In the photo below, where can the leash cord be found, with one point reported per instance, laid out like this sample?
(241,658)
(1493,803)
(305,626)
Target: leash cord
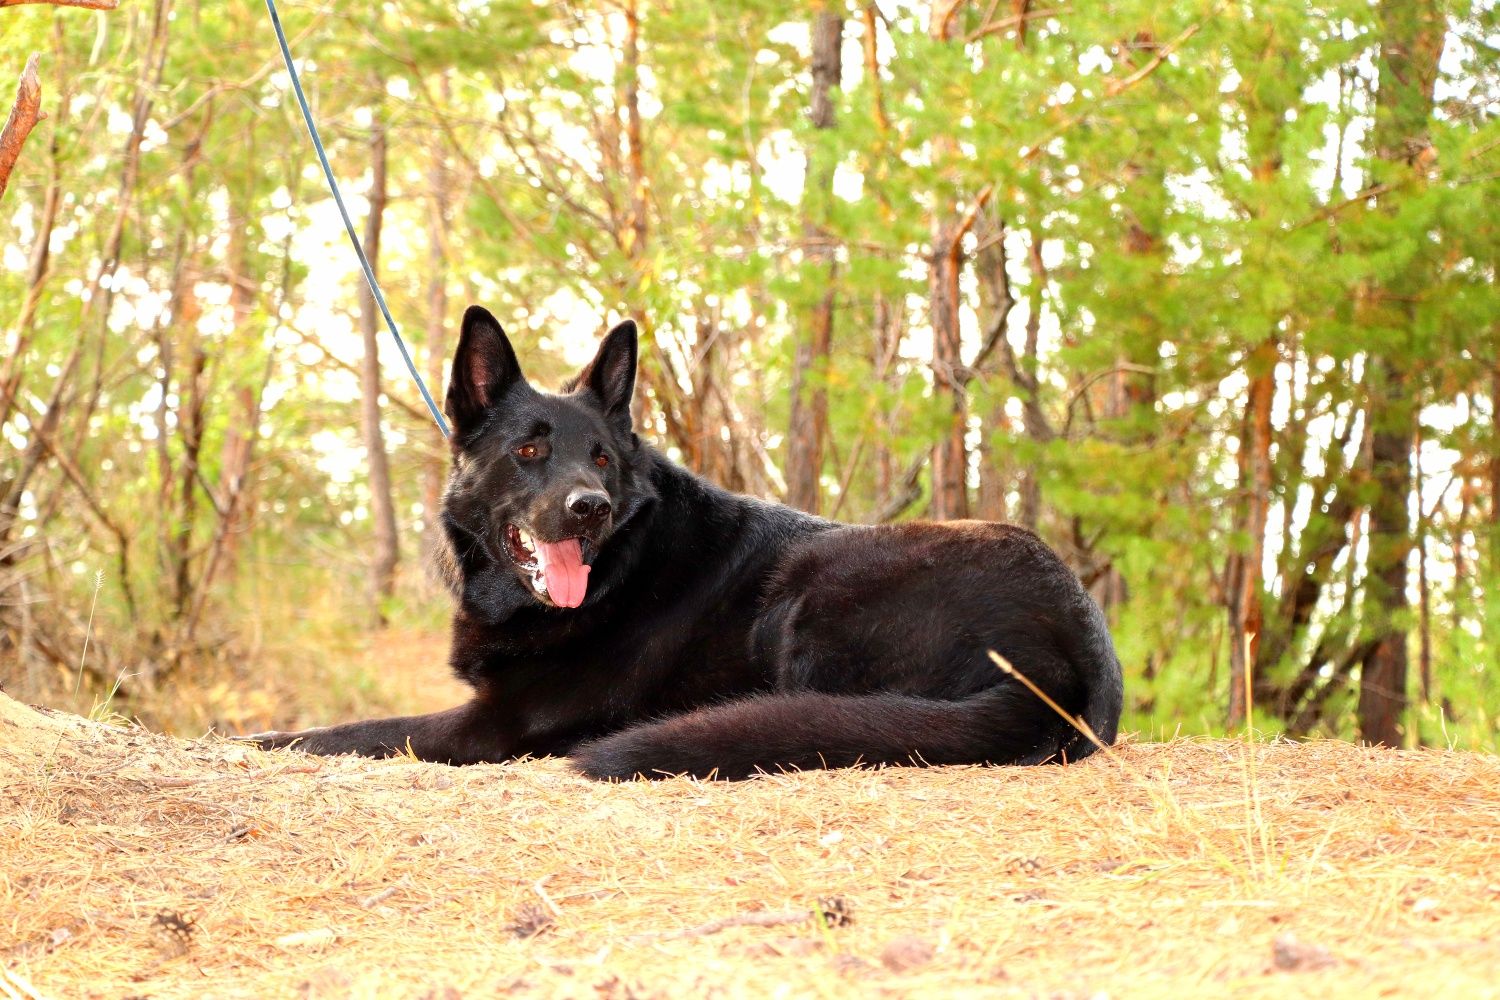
(286,55)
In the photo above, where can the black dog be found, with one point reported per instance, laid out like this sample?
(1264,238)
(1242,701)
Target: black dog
(615,608)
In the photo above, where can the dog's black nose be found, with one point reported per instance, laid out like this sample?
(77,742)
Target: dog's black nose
(590,505)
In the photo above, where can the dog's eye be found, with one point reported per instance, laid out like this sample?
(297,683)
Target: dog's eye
(602,461)
(528,451)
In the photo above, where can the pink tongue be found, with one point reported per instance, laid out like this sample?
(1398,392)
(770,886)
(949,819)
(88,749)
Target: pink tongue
(563,571)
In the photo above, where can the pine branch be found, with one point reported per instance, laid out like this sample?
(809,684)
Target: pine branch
(1114,88)
(967,222)
(86,4)
(1013,21)
(907,492)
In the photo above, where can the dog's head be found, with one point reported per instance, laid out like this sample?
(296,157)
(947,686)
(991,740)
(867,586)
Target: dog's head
(541,482)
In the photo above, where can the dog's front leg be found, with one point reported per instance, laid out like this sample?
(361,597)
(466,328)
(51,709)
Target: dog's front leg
(469,734)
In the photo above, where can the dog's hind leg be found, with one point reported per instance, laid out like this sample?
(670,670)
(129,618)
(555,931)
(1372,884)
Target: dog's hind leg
(469,734)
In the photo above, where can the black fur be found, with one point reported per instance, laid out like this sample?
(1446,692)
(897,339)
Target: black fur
(721,635)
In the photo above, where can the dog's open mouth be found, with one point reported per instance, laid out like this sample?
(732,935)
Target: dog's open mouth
(557,571)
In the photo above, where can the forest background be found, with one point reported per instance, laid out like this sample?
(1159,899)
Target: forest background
(1203,292)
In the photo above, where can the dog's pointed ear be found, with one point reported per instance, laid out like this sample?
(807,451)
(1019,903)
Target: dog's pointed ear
(484,370)
(611,375)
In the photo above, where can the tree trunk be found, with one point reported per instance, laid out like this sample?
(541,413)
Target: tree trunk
(889,324)
(656,373)
(996,472)
(1129,393)
(1025,374)
(950,457)
(386,553)
(437,330)
(809,416)
(1411,41)
(244,425)
(1493,566)
(1246,612)
(1424,584)
(1245,579)
(1382,686)
(635,154)
(888,311)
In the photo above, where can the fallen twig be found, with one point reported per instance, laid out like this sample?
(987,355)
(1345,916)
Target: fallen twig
(269,772)
(774,918)
(375,899)
(536,887)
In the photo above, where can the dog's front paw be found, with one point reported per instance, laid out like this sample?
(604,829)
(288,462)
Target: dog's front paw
(277,740)
(364,739)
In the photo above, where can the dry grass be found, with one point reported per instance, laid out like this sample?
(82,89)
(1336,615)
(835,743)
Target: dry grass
(272,680)
(135,864)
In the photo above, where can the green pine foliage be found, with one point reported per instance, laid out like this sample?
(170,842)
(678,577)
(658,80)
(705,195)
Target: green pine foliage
(1178,199)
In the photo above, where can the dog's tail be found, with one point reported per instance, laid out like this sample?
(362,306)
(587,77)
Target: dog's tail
(808,730)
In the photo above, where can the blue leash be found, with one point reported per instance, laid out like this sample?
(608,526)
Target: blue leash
(286,55)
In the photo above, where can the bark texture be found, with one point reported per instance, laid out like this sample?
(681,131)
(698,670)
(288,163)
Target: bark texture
(809,416)
(386,553)
(24,115)
(1412,39)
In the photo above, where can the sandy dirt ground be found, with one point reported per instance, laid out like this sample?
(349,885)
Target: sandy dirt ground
(136,865)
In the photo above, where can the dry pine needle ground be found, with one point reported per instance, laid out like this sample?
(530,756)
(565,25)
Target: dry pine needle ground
(137,865)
